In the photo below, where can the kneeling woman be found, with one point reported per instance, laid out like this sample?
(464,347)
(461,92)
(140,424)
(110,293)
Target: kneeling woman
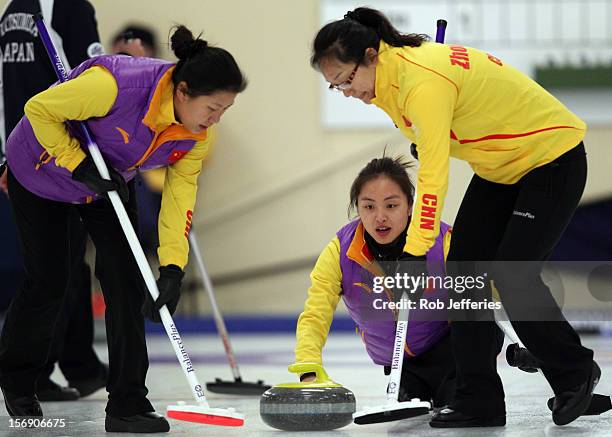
(382,194)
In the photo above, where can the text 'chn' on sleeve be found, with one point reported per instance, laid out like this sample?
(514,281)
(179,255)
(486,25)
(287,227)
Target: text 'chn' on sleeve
(429,105)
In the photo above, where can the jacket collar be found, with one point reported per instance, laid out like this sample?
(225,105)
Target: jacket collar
(160,114)
(386,86)
(359,252)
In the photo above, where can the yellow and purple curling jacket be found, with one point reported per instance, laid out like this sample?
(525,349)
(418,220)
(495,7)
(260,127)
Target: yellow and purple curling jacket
(128,105)
(345,269)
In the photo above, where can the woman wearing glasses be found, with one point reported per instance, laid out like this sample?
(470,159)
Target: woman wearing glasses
(526,151)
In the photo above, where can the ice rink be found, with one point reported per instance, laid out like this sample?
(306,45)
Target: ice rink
(266,357)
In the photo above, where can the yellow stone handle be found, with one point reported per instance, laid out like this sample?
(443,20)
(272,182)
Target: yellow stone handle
(321,374)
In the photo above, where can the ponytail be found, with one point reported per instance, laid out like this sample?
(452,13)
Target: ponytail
(347,40)
(205,69)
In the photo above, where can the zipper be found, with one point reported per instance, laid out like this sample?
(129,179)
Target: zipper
(43,159)
(148,153)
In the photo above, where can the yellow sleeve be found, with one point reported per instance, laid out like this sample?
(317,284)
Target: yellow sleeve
(446,242)
(430,106)
(323,297)
(178,201)
(91,94)
(155,179)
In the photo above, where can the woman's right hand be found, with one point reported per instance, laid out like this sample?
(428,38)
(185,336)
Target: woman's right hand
(308,377)
(310,372)
(87,173)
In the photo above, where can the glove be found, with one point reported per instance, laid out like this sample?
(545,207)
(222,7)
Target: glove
(518,356)
(87,173)
(410,266)
(169,286)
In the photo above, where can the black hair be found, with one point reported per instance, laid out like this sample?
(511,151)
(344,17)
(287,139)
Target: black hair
(347,40)
(392,168)
(144,33)
(205,69)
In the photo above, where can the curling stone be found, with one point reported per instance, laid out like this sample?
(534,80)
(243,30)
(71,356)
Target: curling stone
(320,405)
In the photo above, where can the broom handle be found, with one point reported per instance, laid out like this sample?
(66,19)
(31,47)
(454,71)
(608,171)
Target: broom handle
(397,361)
(440,31)
(126,225)
(195,248)
(402,318)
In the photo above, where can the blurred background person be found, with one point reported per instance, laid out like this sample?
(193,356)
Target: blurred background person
(146,35)
(26,72)
(140,40)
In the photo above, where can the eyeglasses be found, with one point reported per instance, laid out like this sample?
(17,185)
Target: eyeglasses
(346,84)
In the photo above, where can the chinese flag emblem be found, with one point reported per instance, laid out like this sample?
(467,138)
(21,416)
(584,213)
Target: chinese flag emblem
(176,155)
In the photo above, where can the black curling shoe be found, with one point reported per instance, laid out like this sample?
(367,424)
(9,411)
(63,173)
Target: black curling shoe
(145,422)
(49,391)
(18,406)
(569,405)
(449,418)
(91,385)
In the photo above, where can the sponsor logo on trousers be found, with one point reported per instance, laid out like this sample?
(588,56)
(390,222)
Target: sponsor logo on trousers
(523,214)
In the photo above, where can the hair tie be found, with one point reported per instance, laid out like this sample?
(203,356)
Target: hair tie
(350,15)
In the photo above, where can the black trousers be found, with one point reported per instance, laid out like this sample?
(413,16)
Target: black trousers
(72,346)
(506,223)
(28,331)
(430,376)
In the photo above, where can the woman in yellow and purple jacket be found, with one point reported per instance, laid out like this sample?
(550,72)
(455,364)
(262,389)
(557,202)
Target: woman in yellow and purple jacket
(144,113)
(529,161)
(363,250)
